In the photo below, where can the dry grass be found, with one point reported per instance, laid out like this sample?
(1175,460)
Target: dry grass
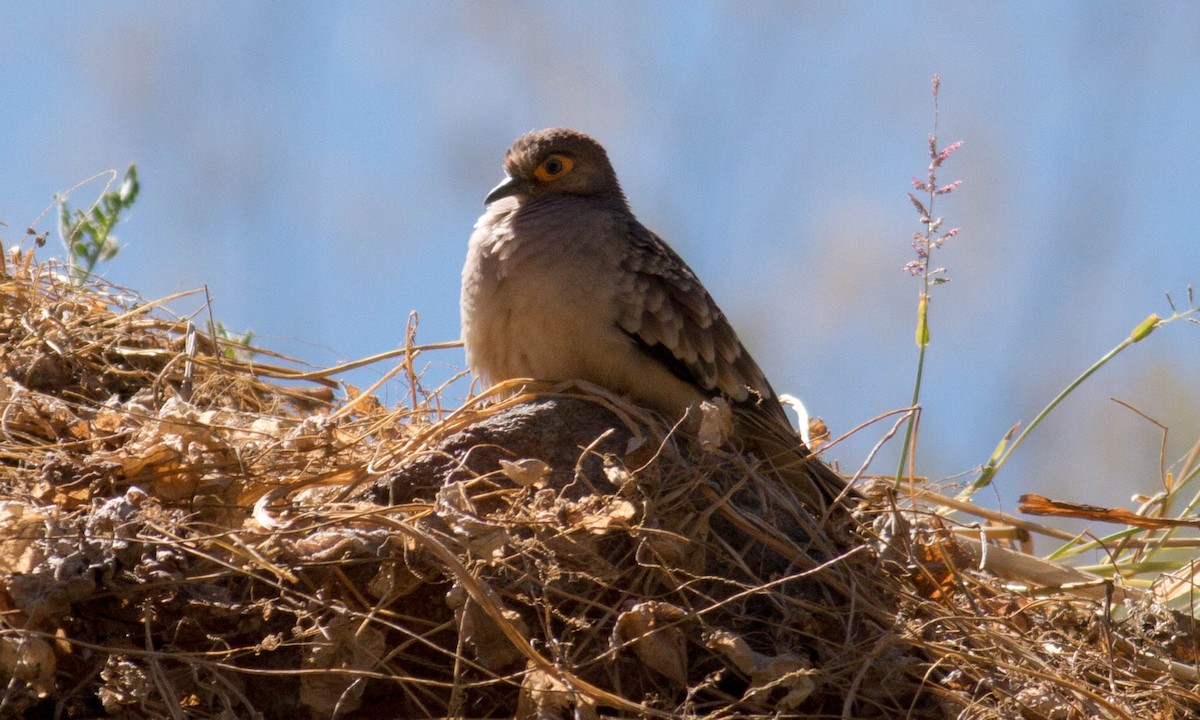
(186,532)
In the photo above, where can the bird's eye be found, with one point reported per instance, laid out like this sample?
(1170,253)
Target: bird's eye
(553,167)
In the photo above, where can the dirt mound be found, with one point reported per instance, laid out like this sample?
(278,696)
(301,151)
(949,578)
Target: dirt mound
(195,528)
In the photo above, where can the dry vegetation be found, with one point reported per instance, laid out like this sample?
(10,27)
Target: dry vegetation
(190,531)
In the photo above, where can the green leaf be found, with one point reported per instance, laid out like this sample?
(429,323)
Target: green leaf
(129,187)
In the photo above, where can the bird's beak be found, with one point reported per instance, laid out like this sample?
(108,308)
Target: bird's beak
(508,187)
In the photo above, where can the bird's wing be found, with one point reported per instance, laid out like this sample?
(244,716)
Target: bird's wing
(666,309)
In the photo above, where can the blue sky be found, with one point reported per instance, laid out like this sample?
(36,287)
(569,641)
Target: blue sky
(319,168)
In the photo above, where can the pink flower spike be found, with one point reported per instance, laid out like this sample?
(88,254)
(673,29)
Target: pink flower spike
(947,188)
(946,151)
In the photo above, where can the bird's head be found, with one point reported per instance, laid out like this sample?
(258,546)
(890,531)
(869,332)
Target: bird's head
(556,161)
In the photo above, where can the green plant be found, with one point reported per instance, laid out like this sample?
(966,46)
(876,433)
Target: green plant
(1004,450)
(235,346)
(88,234)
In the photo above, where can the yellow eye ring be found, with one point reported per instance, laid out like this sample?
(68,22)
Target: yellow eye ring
(553,167)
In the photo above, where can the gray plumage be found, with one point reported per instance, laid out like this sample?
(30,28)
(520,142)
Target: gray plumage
(562,282)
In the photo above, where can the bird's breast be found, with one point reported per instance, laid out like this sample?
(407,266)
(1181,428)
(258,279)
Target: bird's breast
(534,303)
(541,300)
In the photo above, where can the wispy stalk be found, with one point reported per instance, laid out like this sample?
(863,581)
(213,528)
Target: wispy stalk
(924,244)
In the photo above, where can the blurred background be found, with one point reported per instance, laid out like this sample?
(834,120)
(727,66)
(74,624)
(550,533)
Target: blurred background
(319,168)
